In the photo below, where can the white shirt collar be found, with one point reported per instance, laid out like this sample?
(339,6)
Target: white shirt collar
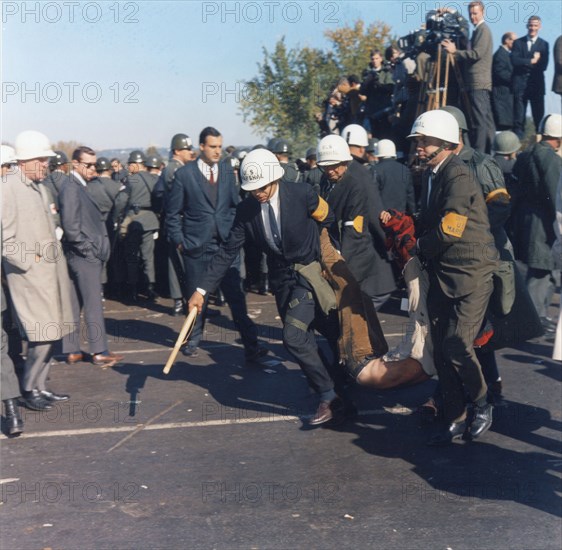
(205,169)
(478,24)
(79,178)
(434,170)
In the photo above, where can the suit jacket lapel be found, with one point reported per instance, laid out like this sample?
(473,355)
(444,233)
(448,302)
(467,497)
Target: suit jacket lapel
(203,184)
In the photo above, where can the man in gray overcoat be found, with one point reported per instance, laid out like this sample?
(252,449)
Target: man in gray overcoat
(34,265)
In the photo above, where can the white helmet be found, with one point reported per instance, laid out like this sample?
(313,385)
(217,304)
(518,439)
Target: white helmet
(33,145)
(438,124)
(551,125)
(354,134)
(7,155)
(385,149)
(259,168)
(332,149)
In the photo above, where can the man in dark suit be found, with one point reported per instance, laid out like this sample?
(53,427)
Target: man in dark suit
(86,246)
(456,243)
(502,93)
(283,219)
(394,179)
(530,60)
(199,214)
(478,66)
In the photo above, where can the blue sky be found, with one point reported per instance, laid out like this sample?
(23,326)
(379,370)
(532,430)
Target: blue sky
(132,74)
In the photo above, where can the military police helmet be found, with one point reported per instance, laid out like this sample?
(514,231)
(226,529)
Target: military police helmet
(136,157)
(153,161)
(506,142)
(372,147)
(271,144)
(459,116)
(103,164)
(281,147)
(59,159)
(181,141)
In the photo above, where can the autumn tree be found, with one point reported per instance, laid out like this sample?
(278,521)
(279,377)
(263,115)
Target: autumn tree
(351,44)
(292,84)
(289,88)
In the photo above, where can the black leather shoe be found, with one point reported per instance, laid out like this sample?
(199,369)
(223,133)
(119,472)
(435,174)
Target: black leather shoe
(14,423)
(255,354)
(151,294)
(448,433)
(35,401)
(548,325)
(482,420)
(178,307)
(53,397)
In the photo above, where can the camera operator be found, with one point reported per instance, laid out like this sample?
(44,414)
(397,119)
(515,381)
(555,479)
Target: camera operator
(478,63)
(377,86)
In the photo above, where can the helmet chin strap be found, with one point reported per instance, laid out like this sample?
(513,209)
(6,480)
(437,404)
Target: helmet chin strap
(435,153)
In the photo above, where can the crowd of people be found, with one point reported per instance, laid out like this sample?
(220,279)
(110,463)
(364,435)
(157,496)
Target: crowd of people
(492,88)
(332,237)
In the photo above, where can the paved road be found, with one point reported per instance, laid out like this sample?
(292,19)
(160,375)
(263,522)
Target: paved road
(217,455)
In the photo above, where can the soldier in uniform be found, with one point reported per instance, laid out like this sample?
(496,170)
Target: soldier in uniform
(58,166)
(282,150)
(140,225)
(153,166)
(313,175)
(537,171)
(458,248)
(119,172)
(181,153)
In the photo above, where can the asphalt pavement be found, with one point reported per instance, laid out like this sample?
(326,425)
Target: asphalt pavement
(218,454)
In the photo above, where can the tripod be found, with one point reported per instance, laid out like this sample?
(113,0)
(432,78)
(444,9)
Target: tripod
(434,89)
(435,85)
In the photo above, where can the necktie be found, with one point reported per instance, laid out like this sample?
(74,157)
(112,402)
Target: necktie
(211,177)
(273,226)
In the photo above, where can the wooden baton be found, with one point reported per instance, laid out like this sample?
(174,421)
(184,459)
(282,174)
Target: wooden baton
(182,338)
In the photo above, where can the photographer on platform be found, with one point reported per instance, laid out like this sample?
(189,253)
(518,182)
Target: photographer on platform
(478,62)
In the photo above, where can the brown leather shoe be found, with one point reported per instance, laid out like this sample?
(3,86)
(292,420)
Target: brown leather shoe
(106,359)
(323,414)
(72,358)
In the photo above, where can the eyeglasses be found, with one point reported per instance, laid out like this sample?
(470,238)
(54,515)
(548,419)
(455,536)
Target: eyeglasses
(88,165)
(329,167)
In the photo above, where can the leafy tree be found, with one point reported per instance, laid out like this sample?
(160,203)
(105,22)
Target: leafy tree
(289,88)
(292,84)
(352,44)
